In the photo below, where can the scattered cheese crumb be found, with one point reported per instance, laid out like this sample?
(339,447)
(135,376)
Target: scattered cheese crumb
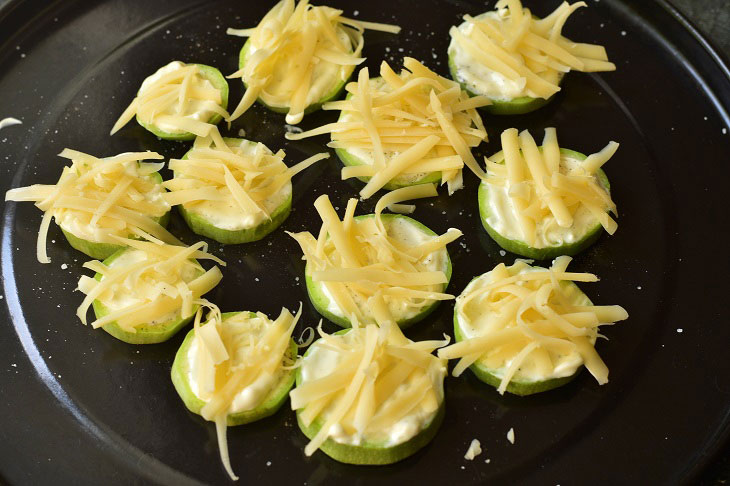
(724,131)
(623,32)
(487,461)
(502,252)
(241,133)
(64,266)
(679,330)
(7,122)
(474,450)
(268,463)
(511,436)
(638,287)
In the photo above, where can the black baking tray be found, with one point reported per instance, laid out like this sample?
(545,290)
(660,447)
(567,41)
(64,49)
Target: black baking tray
(80,407)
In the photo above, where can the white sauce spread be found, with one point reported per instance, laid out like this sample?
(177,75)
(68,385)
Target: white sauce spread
(503,216)
(193,108)
(410,235)
(320,362)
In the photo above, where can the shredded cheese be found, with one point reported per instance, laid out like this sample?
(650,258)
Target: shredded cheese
(298,54)
(360,261)
(237,178)
(240,359)
(101,199)
(475,448)
(528,51)
(543,189)
(529,322)
(369,384)
(177,99)
(149,284)
(401,125)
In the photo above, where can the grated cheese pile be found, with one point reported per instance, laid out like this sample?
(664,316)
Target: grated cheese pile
(235,353)
(233,173)
(542,189)
(531,318)
(100,199)
(413,122)
(367,271)
(524,49)
(177,99)
(150,283)
(298,55)
(377,379)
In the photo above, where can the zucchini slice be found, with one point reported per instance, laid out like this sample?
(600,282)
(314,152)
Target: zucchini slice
(327,307)
(251,197)
(518,60)
(500,214)
(382,439)
(159,109)
(145,300)
(335,88)
(526,330)
(181,370)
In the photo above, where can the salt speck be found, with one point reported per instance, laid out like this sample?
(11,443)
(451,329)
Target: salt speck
(724,131)
(638,287)
(356,13)
(257,279)
(268,463)
(487,461)
(623,32)
(680,330)
(64,266)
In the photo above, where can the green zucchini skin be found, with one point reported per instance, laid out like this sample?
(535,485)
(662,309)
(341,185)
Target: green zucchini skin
(523,249)
(516,106)
(271,404)
(201,226)
(369,453)
(146,334)
(219,82)
(320,301)
(332,94)
(101,251)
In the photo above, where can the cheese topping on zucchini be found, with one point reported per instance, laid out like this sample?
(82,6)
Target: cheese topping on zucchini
(101,199)
(297,54)
(177,98)
(234,183)
(149,283)
(367,267)
(370,385)
(409,123)
(236,362)
(546,195)
(530,323)
(509,53)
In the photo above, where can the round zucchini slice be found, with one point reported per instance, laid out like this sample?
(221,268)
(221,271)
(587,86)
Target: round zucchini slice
(370,453)
(582,241)
(321,302)
(145,333)
(203,226)
(519,384)
(219,82)
(333,92)
(349,159)
(100,251)
(180,374)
